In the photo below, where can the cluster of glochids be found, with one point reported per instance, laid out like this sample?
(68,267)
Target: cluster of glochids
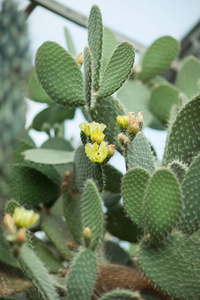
(16,225)
(97,150)
(129,126)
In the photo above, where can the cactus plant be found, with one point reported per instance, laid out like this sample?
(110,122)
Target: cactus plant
(74,250)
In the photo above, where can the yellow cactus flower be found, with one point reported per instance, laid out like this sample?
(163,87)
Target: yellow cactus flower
(91,128)
(85,127)
(25,218)
(97,137)
(95,152)
(123,121)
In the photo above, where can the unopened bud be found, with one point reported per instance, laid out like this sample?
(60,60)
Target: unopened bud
(134,127)
(123,139)
(123,121)
(8,220)
(111,150)
(21,235)
(70,245)
(79,59)
(87,235)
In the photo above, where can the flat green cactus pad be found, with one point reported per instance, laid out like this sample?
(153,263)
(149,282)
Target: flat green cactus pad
(85,169)
(87,76)
(60,75)
(161,101)
(109,45)
(106,112)
(183,141)
(139,154)
(92,213)
(82,276)
(173,267)
(179,169)
(118,69)
(191,196)
(133,188)
(158,57)
(188,77)
(95,38)
(162,204)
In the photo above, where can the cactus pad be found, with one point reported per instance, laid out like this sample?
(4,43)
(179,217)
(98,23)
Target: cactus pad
(133,188)
(139,153)
(162,204)
(95,38)
(161,101)
(174,266)
(82,276)
(188,77)
(87,76)
(183,141)
(191,196)
(158,57)
(117,71)
(60,75)
(92,213)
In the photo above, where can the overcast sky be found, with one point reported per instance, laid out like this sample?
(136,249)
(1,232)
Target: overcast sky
(143,21)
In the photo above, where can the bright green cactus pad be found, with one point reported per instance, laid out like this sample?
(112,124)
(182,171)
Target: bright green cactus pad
(158,57)
(139,153)
(57,143)
(122,295)
(87,75)
(135,97)
(35,91)
(106,112)
(133,188)
(183,141)
(52,115)
(85,169)
(162,204)
(82,276)
(60,75)
(161,101)
(92,213)
(35,270)
(191,196)
(72,212)
(118,69)
(173,267)
(120,225)
(188,77)
(56,230)
(95,39)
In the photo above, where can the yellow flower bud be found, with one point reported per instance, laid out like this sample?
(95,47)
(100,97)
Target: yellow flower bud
(134,127)
(80,59)
(97,137)
(123,121)
(25,218)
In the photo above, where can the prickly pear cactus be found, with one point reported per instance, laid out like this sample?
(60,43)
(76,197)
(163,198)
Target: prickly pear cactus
(15,67)
(70,208)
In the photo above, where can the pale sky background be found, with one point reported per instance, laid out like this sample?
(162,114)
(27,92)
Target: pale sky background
(143,21)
